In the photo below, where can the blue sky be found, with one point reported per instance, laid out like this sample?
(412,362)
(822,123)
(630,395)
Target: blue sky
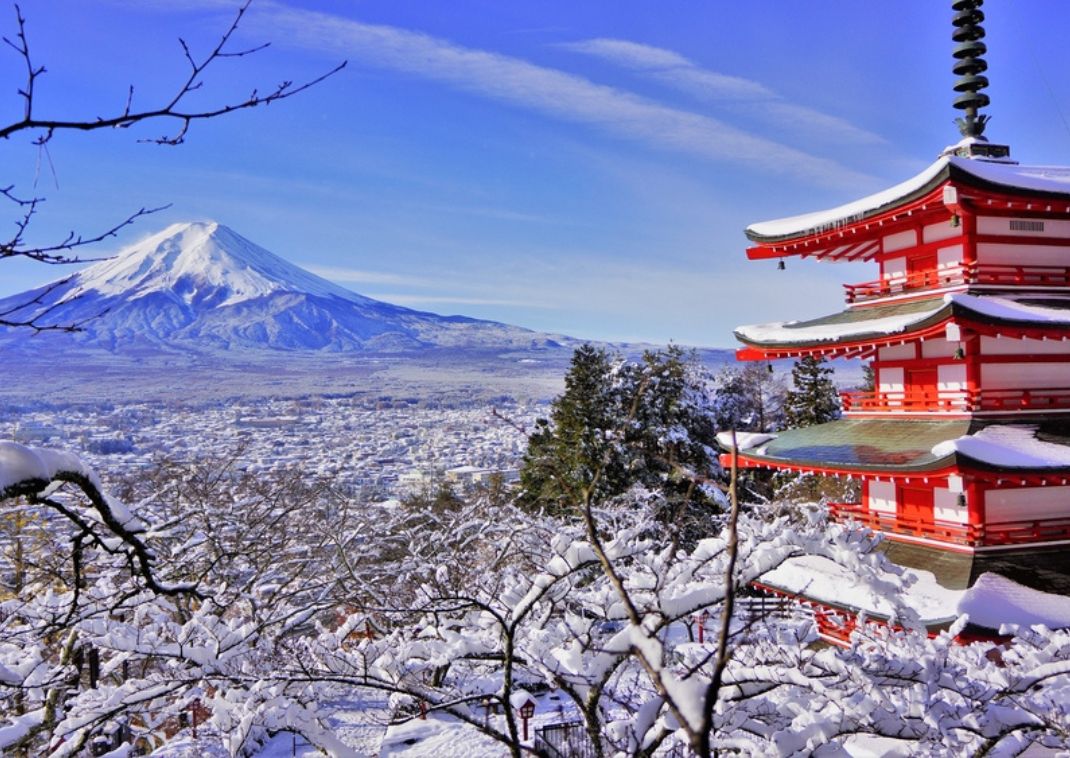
(577,167)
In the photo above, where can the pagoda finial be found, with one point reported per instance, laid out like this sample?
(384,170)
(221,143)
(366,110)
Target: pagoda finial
(969,66)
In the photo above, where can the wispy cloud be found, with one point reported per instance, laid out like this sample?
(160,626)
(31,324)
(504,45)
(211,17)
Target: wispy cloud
(549,91)
(674,70)
(409,299)
(344,275)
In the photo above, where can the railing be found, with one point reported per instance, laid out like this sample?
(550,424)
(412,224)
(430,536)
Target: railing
(989,534)
(567,740)
(962,401)
(964,273)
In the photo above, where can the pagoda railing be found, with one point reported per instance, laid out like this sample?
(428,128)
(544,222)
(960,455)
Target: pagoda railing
(973,535)
(961,401)
(964,273)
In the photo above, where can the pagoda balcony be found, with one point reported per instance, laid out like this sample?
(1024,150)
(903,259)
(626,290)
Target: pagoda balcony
(957,401)
(993,534)
(961,275)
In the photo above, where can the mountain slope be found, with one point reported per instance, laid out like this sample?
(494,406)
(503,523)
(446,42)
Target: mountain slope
(202,286)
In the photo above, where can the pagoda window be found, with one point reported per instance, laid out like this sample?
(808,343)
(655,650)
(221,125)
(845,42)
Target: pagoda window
(894,269)
(949,506)
(1026,504)
(939,348)
(899,241)
(941,231)
(1031,375)
(880,497)
(890,380)
(949,257)
(951,384)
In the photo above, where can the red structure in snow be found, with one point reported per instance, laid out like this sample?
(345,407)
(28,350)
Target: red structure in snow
(963,444)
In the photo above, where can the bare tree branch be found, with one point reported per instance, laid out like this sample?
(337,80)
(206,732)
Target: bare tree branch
(174,109)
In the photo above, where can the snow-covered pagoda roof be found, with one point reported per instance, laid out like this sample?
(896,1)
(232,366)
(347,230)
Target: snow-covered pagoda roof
(915,446)
(881,324)
(1037,181)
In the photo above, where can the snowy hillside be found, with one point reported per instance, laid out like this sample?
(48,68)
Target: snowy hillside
(201,285)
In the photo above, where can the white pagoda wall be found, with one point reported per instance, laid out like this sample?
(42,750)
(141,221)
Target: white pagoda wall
(1027,504)
(882,497)
(1006,346)
(1002,226)
(939,231)
(890,379)
(1008,376)
(946,506)
(1009,254)
(949,257)
(897,352)
(938,348)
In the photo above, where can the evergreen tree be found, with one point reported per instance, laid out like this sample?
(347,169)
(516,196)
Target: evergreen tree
(571,452)
(869,379)
(812,398)
(620,424)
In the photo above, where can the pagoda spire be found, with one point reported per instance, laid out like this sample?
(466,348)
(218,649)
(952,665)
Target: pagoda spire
(969,66)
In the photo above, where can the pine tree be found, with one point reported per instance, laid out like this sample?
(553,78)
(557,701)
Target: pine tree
(812,398)
(571,452)
(869,379)
(619,424)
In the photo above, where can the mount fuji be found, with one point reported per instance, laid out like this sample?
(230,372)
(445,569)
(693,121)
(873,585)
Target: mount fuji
(201,286)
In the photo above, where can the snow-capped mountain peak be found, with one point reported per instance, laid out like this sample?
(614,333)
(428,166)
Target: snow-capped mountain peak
(203,286)
(201,262)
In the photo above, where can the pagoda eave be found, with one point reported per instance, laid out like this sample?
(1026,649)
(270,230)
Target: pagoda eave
(860,332)
(1026,453)
(853,232)
(938,471)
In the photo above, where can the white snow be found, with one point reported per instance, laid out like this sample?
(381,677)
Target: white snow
(519,698)
(826,581)
(995,600)
(744,440)
(1009,309)
(788,331)
(438,736)
(202,256)
(19,463)
(1008,446)
(991,306)
(1039,178)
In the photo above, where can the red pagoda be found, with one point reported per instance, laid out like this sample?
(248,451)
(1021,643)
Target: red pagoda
(962,447)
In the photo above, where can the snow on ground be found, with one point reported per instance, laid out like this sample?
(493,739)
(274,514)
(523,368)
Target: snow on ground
(360,721)
(823,580)
(443,736)
(994,600)
(1008,446)
(870,746)
(438,736)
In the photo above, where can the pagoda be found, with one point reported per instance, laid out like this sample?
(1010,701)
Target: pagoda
(962,446)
